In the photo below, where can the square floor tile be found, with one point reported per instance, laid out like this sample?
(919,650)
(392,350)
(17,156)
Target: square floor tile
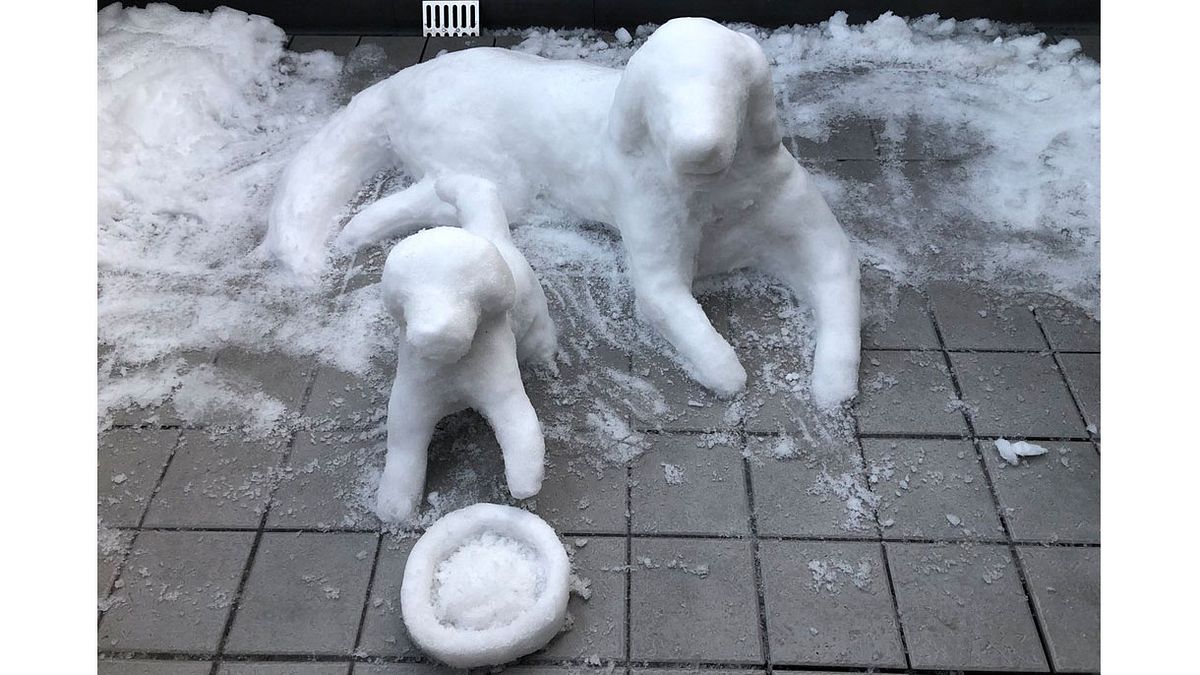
(848,138)
(1065,584)
(907,392)
(383,631)
(1017,395)
(278,376)
(683,487)
(177,588)
(148,667)
(808,490)
(1050,498)
(404,669)
(110,552)
(973,318)
(931,490)
(962,607)
(283,668)
(130,464)
(1069,327)
(905,325)
(597,623)
(914,138)
(581,492)
(215,482)
(1083,373)
(304,595)
(829,604)
(686,594)
(465,465)
(328,483)
(688,406)
(346,401)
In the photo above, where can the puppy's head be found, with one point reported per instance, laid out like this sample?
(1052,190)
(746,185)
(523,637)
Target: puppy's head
(438,283)
(695,91)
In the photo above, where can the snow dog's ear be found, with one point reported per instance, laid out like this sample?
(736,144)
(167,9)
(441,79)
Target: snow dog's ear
(762,122)
(627,117)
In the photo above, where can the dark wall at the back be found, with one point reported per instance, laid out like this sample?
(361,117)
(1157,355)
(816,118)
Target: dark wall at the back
(403,16)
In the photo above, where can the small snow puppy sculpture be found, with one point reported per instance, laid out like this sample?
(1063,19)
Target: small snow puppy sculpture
(681,151)
(465,322)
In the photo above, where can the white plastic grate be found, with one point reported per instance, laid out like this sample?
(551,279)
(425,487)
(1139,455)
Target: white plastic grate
(450,17)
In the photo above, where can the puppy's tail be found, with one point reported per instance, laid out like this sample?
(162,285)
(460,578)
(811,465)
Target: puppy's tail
(322,178)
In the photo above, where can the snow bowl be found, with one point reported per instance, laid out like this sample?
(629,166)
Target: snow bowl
(485,585)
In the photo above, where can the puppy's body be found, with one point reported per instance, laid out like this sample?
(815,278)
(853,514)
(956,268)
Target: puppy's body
(681,151)
(454,294)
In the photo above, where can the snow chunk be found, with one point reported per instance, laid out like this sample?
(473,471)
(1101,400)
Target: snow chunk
(673,474)
(1013,452)
(485,585)
(623,36)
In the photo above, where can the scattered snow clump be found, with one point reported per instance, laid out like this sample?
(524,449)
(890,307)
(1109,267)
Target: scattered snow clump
(1012,452)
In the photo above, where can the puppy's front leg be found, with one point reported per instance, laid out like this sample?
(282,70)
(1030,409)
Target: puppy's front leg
(500,397)
(410,427)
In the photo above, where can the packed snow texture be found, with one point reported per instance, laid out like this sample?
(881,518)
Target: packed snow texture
(465,323)
(183,204)
(681,152)
(1013,451)
(485,585)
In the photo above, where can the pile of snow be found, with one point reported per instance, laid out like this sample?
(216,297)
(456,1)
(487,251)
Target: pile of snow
(1013,451)
(485,585)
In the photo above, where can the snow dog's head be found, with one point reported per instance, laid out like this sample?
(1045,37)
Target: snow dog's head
(695,90)
(438,283)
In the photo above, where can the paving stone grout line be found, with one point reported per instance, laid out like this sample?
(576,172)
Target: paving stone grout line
(1012,549)
(362,618)
(756,561)
(235,605)
(1062,373)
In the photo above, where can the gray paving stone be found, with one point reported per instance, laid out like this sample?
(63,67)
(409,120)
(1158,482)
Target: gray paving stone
(344,401)
(971,318)
(148,667)
(438,45)
(912,138)
(281,376)
(1083,373)
(907,392)
(367,268)
(771,336)
(682,485)
(222,482)
(465,465)
(691,671)
(304,595)
(1052,498)
(130,464)
(383,631)
(1016,395)
(581,493)
(962,607)
(686,594)
(508,41)
(1065,585)
(829,604)
(404,669)
(338,44)
(689,406)
(849,138)
(931,489)
(1069,328)
(807,490)
(283,668)
(328,483)
(907,326)
(177,588)
(598,627)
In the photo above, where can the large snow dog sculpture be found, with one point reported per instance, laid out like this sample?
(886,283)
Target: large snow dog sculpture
(681,151)
(465,321)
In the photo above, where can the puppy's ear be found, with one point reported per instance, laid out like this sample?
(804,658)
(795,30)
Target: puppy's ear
(762,120)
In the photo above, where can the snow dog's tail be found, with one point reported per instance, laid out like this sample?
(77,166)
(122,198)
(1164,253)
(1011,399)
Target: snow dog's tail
(322,178)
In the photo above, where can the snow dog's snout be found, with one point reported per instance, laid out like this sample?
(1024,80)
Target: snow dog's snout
(443,334)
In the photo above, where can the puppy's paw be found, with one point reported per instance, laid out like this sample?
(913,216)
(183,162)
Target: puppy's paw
(834,378)
(393,506)
(724,375)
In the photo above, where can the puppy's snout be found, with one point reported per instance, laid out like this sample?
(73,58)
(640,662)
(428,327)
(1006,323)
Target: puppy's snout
(442,336)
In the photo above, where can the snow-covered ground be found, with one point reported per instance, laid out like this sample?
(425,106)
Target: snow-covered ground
(198,114)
